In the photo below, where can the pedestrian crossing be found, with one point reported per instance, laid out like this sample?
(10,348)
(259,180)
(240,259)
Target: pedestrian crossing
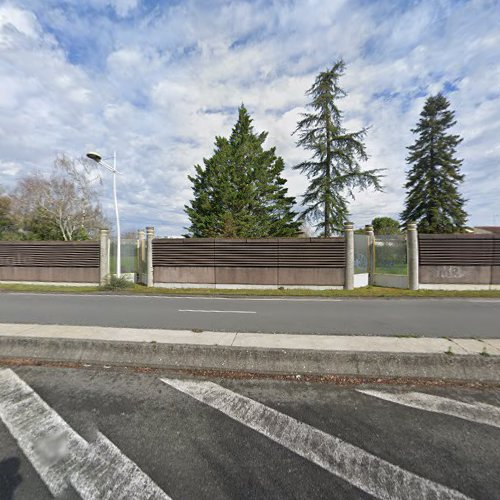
(61,456)
(476,412)
(100,470)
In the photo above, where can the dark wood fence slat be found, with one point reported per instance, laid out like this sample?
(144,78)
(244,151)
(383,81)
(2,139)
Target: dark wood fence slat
(303,253)
(458,250)
(50,254)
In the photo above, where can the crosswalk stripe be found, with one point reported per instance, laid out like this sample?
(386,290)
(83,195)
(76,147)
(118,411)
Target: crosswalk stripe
(480,413)
(355,465)
(61,456)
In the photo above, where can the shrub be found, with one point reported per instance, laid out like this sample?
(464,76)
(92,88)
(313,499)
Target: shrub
(117,283)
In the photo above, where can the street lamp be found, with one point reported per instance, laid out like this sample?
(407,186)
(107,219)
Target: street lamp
(112,168)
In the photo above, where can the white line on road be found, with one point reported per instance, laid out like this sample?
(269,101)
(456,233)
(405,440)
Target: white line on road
(189,297)
(61,456)
(215,311)
(355,465)
(480,413)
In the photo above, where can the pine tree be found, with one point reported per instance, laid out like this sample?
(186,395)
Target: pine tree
(433,200)
(334,170)
(240,191)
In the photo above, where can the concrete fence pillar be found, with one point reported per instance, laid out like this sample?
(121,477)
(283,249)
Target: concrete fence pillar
(349,256)
(150,234)
(141,257)
(412,255)
(104,257)
(371,253)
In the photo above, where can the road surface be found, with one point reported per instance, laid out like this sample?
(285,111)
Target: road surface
(459,318)
(85,433)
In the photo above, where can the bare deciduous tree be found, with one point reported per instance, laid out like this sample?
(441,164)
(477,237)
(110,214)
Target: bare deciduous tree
(62,205)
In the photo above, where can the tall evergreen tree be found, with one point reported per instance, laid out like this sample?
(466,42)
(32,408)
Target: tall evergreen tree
(240,191)
(433,200)
(334,170)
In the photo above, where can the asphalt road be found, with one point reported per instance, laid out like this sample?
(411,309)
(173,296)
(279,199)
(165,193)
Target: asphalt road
(463,318)
(115,434)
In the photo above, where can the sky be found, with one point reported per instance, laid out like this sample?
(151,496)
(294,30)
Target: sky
(157,80)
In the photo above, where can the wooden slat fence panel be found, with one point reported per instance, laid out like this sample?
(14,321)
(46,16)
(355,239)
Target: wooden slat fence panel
(246,253)
(459,250)
(314,252)
(277,252)
(49,254)
(183,252)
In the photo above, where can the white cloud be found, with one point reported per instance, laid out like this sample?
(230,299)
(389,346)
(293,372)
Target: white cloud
(158,85)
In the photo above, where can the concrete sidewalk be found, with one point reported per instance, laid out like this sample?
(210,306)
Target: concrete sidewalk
(465,359)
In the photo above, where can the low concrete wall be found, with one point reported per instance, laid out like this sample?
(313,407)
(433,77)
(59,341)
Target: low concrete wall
(390,280)
(49,274)
(453,286)
(477,275)
(361,280)
(245,277)
(179,274)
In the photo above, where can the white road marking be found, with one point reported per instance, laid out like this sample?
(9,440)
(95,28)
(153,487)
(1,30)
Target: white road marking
(190,297)
(61,456)
(216,311)
(355,465)
(480,413)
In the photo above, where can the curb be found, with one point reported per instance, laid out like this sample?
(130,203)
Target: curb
(471,367)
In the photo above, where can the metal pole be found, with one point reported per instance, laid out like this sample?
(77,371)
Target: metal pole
(118,235)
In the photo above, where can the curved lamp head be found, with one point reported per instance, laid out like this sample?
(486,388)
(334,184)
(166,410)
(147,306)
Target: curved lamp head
(94,156)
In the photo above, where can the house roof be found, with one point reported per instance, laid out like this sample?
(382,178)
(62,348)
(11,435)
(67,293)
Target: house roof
(489,229)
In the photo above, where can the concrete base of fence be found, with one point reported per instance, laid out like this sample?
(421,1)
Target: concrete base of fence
(232,286)
(390,280)
(50,283)
(456,286)
(361,280)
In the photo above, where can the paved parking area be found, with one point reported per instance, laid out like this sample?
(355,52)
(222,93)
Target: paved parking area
(89,433)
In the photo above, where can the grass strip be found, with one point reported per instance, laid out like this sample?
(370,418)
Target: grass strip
(370,291)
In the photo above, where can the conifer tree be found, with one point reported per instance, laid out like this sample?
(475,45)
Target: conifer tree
(433,200)
(334,170)
(240,191)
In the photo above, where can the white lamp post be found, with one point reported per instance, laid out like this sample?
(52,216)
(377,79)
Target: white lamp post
(112,168)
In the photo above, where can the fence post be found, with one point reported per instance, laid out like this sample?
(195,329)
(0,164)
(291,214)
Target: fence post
(412,251)
(371,253)
(104,257)
(150,234)
(140,255)
(349,256)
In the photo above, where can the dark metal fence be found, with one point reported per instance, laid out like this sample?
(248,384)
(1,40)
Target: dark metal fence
(459,250)
(279,252)
(49,254)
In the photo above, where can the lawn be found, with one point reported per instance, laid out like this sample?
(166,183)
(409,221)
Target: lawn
(358,292)
(400,269)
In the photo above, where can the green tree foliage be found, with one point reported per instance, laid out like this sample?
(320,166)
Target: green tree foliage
(334,169)
(6,222)
(385,225)
(240,191)
(433,200)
